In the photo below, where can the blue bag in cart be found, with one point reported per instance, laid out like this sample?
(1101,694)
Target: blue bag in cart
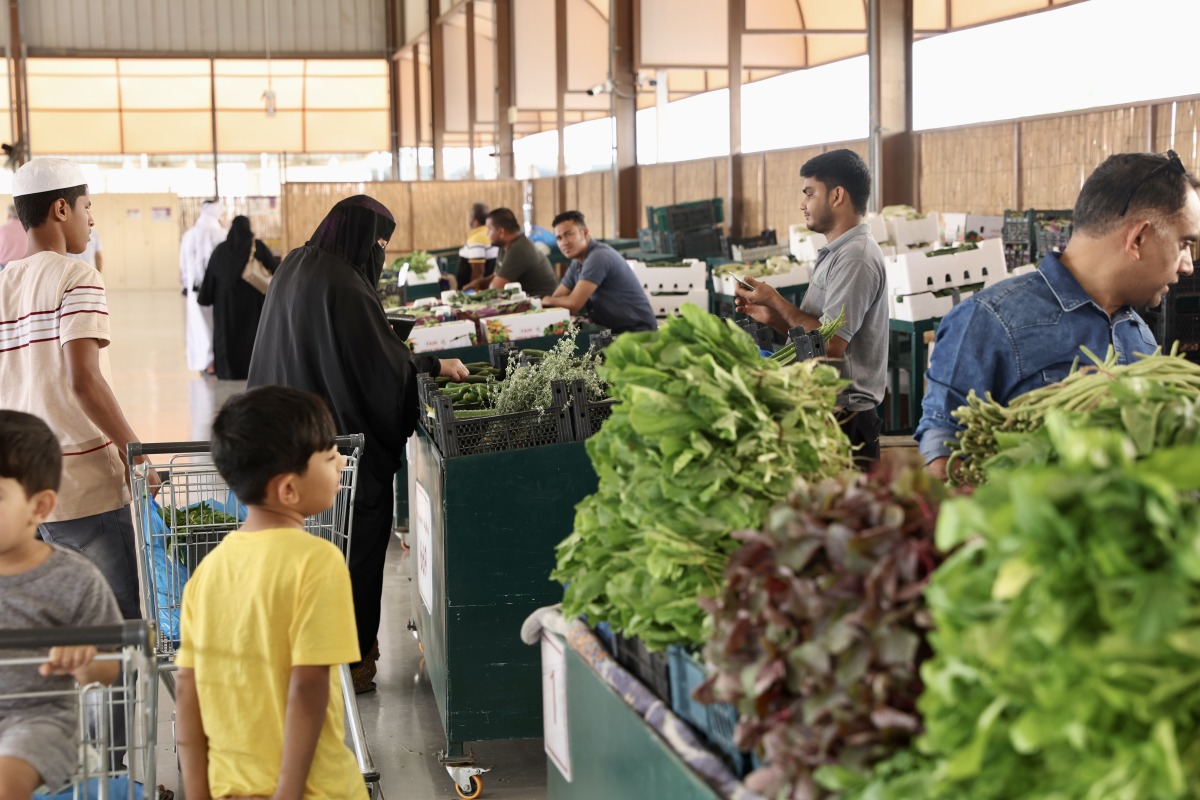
(170,573)
(118,787)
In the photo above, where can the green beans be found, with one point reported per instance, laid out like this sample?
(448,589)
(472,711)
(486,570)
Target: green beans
(1153,399)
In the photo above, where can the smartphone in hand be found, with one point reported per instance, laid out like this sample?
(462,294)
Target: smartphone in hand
(742,282)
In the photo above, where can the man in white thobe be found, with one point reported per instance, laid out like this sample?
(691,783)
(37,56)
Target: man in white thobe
(195,248)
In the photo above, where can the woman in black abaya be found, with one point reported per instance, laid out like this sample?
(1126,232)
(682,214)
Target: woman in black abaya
(323,329)
(236,304)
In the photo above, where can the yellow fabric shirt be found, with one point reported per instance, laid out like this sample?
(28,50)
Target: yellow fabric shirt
(259,604)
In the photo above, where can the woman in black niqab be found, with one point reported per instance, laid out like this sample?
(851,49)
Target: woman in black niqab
(324,330)
(236,304)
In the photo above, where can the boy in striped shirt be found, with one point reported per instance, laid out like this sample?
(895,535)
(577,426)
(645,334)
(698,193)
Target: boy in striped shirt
(53,334)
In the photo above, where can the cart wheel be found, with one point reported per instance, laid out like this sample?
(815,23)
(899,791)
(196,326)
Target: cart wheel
(476,789)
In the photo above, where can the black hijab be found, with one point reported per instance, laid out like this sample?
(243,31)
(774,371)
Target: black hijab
(240,238)
(352,229)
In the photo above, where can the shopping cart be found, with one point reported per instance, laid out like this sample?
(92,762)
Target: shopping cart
(111,764)
(190,516)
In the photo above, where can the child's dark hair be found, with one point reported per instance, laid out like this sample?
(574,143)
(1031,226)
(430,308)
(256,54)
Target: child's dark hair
(29,452)
(267,432)
(33,209)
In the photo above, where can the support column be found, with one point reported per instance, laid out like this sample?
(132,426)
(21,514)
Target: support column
(437,88)
(212,109)
(471,89)
(624,99)
(734,214)
(393,36)
(504,86)
(889,46)
(560,35)
(20,105)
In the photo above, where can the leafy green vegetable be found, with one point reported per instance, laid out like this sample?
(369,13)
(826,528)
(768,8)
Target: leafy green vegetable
(706,436)
(819,630)
(528,386)
(198,515)
(1067,629)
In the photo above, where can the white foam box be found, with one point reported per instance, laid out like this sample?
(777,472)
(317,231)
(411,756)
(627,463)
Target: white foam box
(920,307)
(905,232)
(798,275)
(804,244)
(514,327)
(955,227)
(689,278)
(739,253)
(448,335)
(915,272)
(666,304)
(879,228)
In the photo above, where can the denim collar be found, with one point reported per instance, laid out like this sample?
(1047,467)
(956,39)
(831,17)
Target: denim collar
(1062,283)
(862,229)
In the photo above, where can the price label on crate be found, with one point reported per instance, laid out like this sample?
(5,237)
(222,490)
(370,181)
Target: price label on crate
(554,703)
(423,514)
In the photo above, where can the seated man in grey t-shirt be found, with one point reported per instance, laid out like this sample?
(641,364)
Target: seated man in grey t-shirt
(849,274)
(599,279)
(519,261)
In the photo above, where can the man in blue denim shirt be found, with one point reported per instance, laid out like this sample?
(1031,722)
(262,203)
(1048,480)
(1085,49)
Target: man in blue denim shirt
(1135,222)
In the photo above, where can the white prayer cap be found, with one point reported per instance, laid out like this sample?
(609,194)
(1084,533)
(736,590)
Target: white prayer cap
(45,175)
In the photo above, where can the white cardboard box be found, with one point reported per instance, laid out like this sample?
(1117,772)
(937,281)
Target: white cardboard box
(914,273)
(667,304)
(920,307)
(906,232)
(879,228)
(804,243)
(514,327)
(672,279)
(448,335)
(955,227)
(800,274)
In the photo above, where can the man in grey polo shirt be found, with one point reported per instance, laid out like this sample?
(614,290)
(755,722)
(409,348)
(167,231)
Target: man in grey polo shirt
(849,273)
(598,279)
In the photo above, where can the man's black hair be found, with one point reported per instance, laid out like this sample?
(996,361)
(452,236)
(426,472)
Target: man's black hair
(504,219)
(1107,190)
(479,212)
(569,216)
(843,168)
(29,452)
(267,432)
(34,209)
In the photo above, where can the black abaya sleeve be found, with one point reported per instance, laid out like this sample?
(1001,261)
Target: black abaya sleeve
(208,289)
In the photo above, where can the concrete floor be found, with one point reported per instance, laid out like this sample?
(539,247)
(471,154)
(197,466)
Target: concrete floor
(164,402)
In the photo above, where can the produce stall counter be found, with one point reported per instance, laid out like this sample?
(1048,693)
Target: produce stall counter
(484,530)
(600,747)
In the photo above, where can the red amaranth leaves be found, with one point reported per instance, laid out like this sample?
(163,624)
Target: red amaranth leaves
(819,631)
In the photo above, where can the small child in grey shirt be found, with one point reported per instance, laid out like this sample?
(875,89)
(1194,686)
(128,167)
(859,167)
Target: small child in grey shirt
(42,587)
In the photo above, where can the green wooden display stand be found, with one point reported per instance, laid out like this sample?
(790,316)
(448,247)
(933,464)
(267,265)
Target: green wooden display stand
(421,291)
(614,753)
(494,521)
(906,338)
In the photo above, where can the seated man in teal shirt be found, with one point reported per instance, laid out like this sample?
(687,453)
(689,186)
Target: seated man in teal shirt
(598,279)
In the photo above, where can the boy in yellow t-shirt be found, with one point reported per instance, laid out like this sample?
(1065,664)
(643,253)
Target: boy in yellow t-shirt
(268,616)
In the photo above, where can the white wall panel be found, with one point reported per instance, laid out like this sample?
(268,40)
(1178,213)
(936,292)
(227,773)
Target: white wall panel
(208,28)
(534,54)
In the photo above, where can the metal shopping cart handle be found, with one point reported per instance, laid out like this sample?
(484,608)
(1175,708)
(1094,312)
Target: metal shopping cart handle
(131,633)
(353,441)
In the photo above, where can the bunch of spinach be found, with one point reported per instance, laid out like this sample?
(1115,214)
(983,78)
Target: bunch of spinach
(706,437)
(1067,630)
(820,629)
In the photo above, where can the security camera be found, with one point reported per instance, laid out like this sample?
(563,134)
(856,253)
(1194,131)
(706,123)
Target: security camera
(600,88)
